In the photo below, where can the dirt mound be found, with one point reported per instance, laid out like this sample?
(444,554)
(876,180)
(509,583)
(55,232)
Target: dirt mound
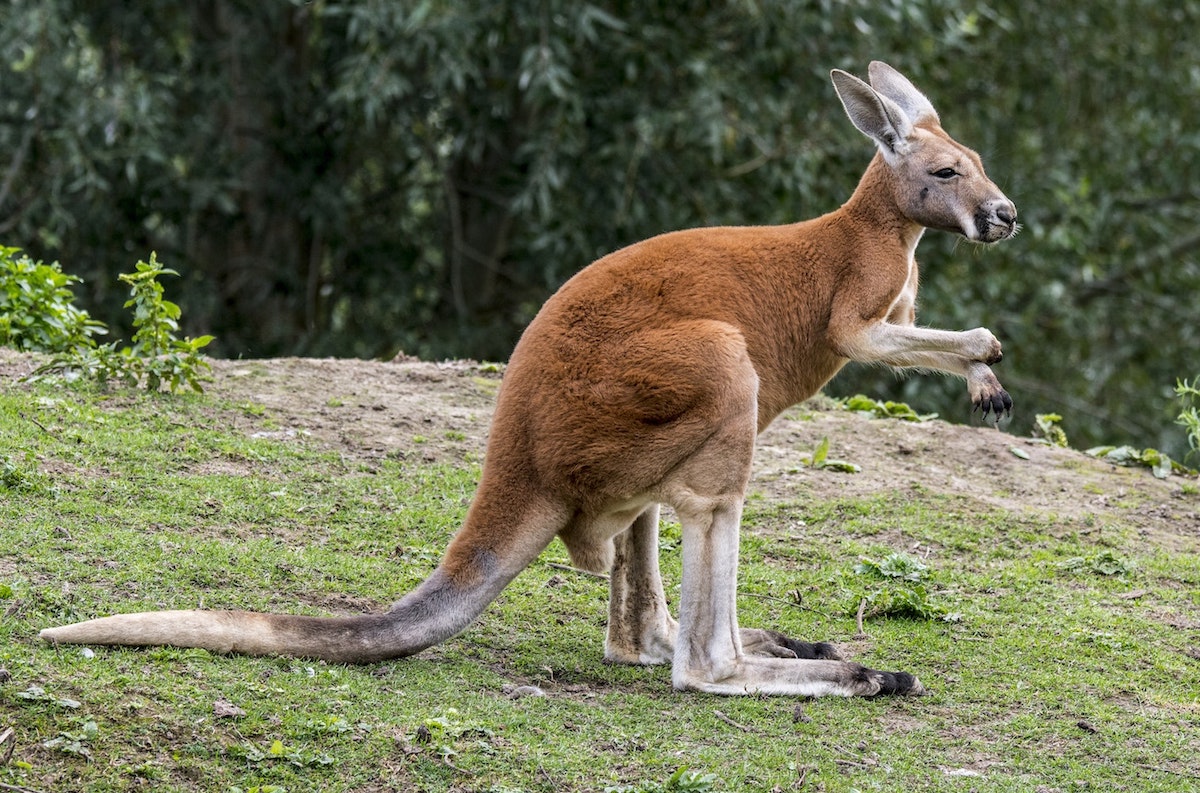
(430,412)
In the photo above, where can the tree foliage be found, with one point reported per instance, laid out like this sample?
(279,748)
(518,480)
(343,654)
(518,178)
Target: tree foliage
(352,178)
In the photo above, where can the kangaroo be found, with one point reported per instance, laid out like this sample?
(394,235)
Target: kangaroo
(644,381)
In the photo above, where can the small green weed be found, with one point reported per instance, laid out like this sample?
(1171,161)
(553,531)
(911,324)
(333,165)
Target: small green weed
(1105,563)
(884,410)
(279,752)
(75,742)
(684,780)
(895,587)
(19,474)
(1046,429)
(39,694)
(1189,413)
(820,460)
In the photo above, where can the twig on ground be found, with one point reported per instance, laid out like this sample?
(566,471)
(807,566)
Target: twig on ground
(7,744)
(858,619)
(733,723)
(570,569)
(38,424)
(1160,769)
(794,604)
(18,788)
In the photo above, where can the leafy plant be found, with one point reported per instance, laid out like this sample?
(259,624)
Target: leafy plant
(75,742)
(278,751)
(1189,414)
(897,588)
(684,780)
(1159,463)
(820,460)
(37,311)
(1046,428)
(884,410)
(38,694)
(1104,563)
(157,358)
(894,566)
(15,476)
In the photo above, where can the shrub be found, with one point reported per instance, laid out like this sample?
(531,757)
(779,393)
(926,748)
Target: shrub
(37,311)
(37,314)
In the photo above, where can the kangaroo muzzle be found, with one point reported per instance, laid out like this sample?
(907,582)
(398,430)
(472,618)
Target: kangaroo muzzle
(995,220)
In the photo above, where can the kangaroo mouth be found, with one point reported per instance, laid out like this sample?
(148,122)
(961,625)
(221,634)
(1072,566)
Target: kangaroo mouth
(990,228)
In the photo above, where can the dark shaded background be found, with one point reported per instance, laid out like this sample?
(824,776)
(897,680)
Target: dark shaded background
(353,179)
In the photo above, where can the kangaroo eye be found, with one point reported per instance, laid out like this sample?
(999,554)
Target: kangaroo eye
(945,173)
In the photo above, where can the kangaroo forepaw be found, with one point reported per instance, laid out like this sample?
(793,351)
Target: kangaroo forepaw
(999,403)
(986,392)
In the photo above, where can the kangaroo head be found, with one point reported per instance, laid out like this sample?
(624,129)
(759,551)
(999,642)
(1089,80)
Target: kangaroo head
(940,183)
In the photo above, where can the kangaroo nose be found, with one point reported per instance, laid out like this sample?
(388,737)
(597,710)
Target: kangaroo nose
(1007,213)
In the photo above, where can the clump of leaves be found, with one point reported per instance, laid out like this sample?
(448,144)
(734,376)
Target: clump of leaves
(37,310)
(684,780)
(75,742)
(1046,429)
(1105,563)
(1159,463)
(15,474)
(445,735)
(39,694)
(157,359)
(1189,414)
(279,752)
(820,460)
(894,586)
(884,410)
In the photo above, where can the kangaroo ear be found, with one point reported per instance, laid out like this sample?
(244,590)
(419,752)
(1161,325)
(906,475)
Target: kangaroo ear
(896,87)
(876,116)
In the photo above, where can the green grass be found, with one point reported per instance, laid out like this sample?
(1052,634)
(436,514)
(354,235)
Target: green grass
(1056,677)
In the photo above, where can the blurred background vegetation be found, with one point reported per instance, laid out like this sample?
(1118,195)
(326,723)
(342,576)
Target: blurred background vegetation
(357,178)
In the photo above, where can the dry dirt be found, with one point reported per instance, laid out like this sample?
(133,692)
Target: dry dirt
(425,411)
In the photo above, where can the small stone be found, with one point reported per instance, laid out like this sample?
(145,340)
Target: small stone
(517,692)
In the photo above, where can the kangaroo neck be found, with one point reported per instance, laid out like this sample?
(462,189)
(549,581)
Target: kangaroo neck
(874,205)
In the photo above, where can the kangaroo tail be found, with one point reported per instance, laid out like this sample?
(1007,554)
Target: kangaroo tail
(433,612)
(468,579)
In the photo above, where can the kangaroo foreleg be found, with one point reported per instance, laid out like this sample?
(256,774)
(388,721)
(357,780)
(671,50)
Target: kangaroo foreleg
(885,342)
(966,354)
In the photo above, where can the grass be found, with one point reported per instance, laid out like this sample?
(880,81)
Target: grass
(1057,677)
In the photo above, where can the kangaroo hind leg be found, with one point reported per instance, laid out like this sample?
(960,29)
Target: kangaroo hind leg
(709,654)
(707,492)
(640,628)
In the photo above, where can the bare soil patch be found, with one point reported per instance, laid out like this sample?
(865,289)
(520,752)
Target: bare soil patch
(440,412)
